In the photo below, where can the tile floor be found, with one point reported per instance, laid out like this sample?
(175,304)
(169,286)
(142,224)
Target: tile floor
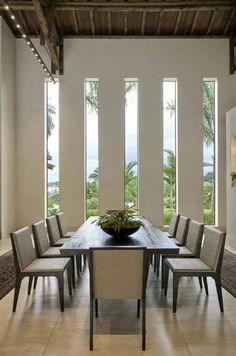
(39,328)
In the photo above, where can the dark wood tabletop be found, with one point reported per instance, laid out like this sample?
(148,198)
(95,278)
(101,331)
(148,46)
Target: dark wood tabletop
(90,235)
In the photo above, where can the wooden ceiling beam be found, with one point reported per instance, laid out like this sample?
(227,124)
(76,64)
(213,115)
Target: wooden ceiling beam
(177,22)
(109,22)
(49,36)
(75,20)
(196,15)
(213,16)
(92,24)
(228,23)
(143,23)
(159,23)
(206,5)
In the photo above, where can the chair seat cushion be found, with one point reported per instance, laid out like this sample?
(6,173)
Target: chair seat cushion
(185,251)
(47,265)
(69,234)
(176,241)
(187,265)
(61,241)
(52,251)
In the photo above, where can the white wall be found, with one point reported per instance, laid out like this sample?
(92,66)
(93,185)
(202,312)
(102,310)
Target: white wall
(231,191)
(8,129)
(111,61)
(30,138)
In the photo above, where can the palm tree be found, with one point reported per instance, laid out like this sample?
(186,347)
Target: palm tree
(51,111)
(95,175)
(130,172)
(92,93)
(170,174)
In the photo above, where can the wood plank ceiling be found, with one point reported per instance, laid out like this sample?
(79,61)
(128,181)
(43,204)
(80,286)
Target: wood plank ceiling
(128,18)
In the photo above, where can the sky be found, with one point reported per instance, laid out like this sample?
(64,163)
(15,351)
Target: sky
(131,130)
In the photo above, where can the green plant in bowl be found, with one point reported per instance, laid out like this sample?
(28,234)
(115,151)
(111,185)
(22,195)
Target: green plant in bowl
(120,222)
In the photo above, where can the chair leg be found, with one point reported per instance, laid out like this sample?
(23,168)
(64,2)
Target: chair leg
(30,284)
(200,282)
(219,293)
(175,291)
(155,263)
(16,293)
(138,308)
(91,326)
(163,272)
(69,278)
(60,280)
(143,324)
(78,264)
(205,285)
(158,257)
(96,308)
(73,270)
(35,282)
(166,278)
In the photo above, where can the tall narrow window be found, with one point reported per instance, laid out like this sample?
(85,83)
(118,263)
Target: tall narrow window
(209,149)
(52,147)
(92,164)
(169,146)
(131,144)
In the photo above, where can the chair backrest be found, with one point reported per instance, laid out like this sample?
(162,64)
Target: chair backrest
(40,237)
(23,249)
(118,272)
(194,237)
(61,224)
(53,231)
(182,229)
(173,224)
(212,250)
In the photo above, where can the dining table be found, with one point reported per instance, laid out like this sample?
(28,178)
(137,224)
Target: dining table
(90,235)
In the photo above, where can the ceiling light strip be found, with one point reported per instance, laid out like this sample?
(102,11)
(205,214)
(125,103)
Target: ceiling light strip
(19,27)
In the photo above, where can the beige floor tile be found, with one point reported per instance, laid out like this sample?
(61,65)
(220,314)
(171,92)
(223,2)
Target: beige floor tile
(22,349)
(39,328)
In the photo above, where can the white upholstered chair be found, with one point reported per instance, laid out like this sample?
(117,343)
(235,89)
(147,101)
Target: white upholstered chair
(27,265)
(207,265)
(118,273)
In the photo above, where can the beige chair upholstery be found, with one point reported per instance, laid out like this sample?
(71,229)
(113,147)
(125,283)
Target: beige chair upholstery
(63,229)
(41,237)
(182,230)
(208,265)
(43,247)
(115,280)
(173,224)
(118,273)
(194,237)
(211,248)
(24,247)
(192,247)
(27,265)
(53,232)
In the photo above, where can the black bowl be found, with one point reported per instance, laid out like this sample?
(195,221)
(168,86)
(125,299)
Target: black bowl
(123,232)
